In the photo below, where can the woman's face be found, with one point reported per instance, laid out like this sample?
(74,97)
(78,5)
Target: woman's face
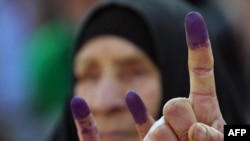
(105,69)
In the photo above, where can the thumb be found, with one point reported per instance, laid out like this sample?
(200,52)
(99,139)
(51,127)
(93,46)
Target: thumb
(203,132)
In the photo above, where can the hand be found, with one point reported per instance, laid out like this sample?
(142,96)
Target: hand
(197,118)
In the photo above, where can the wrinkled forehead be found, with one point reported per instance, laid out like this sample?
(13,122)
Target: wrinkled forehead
(108,47)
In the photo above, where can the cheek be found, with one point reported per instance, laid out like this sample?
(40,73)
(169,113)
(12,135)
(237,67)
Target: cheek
(83,91)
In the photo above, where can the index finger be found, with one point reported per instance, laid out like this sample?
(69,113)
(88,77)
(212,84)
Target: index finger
(86,126)
(200,57)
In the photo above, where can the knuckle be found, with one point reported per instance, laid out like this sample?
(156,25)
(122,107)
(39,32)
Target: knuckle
(174,106)
(202,71)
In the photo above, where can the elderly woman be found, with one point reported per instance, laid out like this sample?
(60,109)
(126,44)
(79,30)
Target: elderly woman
(141,46)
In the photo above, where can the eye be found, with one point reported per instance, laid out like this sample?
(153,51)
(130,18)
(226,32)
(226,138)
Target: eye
(133,72)
(91,75)
(139,71)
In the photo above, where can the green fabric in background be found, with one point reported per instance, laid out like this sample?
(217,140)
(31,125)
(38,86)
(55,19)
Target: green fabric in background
(48,62)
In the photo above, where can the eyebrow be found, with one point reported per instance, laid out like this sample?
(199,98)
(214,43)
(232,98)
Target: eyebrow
(85,63)
(128,60)
(121,61)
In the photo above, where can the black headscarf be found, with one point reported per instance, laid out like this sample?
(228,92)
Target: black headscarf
(157,27)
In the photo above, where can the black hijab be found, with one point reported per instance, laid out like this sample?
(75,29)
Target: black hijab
(157,27)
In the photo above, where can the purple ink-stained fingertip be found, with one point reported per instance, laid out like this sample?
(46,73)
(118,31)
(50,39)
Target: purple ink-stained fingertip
(136,107)
(79,107)
(196,30)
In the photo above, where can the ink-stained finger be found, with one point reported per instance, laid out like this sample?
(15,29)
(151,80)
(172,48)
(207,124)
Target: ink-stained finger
(200,57)
(138,110)
(86,126)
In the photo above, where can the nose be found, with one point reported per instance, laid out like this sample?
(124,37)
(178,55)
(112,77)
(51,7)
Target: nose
(109,97)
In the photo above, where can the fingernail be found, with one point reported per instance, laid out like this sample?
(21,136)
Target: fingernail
(196,31)
(136,107)
(79,107)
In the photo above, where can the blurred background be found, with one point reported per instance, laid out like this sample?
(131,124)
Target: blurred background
(35,40)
